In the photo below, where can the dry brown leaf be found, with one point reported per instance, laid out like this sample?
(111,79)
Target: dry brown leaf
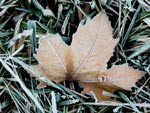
(85,61)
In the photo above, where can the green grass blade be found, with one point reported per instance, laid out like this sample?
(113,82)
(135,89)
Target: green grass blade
(32,25)
(142,49)
(129,101)
(5,22)
(130,26)
(22,85)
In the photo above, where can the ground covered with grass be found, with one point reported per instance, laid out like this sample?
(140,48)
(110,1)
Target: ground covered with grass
(130,20)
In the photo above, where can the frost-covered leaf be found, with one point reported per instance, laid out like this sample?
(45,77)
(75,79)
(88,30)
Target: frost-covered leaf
(85,60)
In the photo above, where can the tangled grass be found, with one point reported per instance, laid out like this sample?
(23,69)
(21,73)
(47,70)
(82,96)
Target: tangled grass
(18,94)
